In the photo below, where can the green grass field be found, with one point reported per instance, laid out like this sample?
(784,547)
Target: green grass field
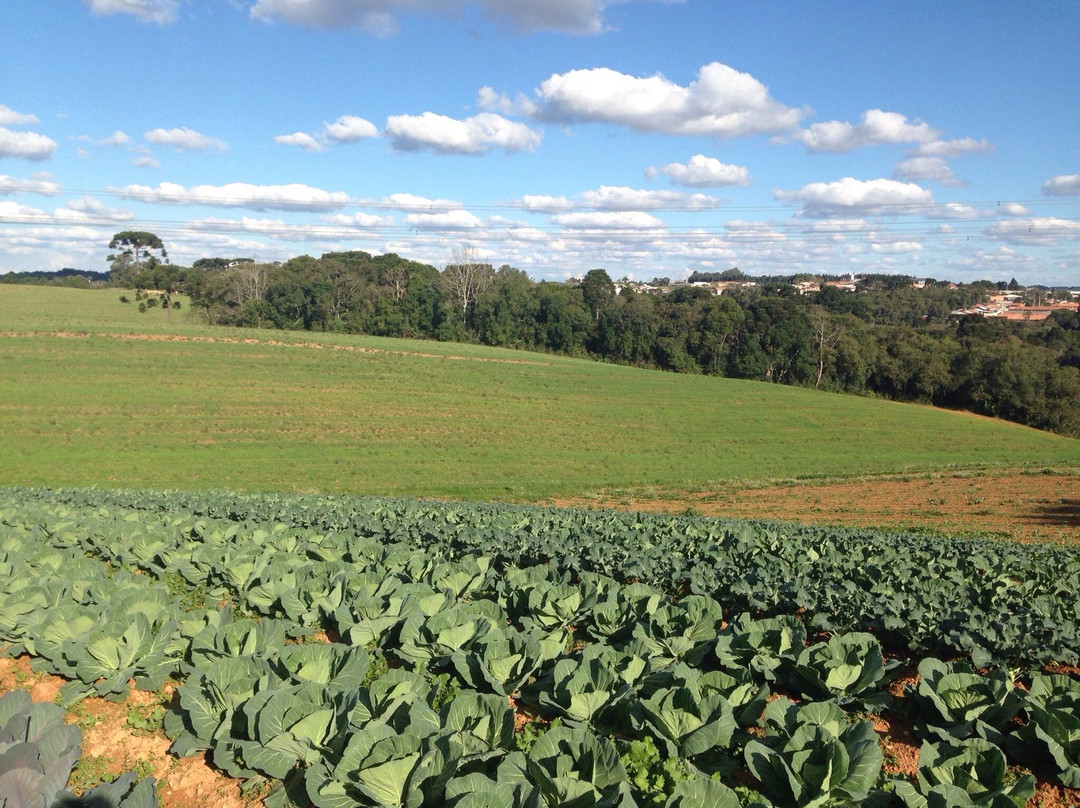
(94,393)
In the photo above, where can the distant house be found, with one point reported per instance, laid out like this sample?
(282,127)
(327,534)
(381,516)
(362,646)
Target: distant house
(843,286)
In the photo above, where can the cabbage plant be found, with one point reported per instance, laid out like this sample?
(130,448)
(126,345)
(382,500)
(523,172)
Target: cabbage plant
(624,607)
(581,691)
(37,754)
(689,724)
(681,631)
(504,659)
(746,696)
(37,751)
(1051,737)
(848,667)
(572,767)
(433,640)
(953,702)
(963,774)
(813,756)
(762,646)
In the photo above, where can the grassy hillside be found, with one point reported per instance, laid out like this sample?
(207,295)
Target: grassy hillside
(92,392)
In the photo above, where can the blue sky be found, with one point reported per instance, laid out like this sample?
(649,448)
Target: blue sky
(642,136)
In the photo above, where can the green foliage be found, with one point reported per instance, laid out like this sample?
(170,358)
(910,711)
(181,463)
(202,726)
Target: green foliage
(574,767)
(531,732)
(762,645)
(681,631)
(652,777)
(652,700)
(814,756)
(962,774)
(145,720)
(847,667)
(505,659)
(953,702)
(1051,738)
(39,756)
(689,724)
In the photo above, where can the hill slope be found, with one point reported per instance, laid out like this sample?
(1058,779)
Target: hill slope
(92,392)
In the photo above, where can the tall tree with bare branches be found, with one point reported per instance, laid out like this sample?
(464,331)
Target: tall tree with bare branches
(825,333)
(466,278)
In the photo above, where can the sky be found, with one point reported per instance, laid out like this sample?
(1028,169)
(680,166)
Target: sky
(646,137)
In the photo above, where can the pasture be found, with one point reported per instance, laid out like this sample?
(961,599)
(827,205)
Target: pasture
(94,393)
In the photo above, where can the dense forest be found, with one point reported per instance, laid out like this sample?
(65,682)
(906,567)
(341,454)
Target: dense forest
(887,339)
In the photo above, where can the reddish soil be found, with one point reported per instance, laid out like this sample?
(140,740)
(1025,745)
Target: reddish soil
(1048,795)
(182,782)
(1011,504)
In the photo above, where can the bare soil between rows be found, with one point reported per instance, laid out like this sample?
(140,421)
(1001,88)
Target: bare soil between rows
(111,746)
(1028,506)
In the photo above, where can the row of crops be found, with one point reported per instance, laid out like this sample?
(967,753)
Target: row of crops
(347,651)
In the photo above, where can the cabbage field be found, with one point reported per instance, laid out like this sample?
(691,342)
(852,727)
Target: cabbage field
(343,651)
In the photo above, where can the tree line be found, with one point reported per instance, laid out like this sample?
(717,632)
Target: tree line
(888,339)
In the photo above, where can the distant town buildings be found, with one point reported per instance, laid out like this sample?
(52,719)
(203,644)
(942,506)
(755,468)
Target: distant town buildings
(1008,304)
(1011,306)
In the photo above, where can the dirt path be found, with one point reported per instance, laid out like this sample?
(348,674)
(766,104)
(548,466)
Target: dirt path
(1023,505)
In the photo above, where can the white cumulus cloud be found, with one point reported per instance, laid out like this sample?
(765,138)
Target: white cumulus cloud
(951,148)
(954,210)
(488,98)
(1047,230)
(88,208)
(349,129)
(1064,185)
(238,195)
(876,128)
(145,161)
(9,117)
(449,220)
(26,145)
(895,247)
(301,139)
(476,135)
(934,169)
(160,11)
(610,197)
(359,220)
(1013,209)
(541,203)
(185,139)
(13,210)
(721,102)
(703,172)
(271,228)
(346,129)
(850,196)
(38,184)
(117,138)
(403,201)
(614,220)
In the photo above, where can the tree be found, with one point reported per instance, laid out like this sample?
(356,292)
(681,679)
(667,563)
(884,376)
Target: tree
(466,278)
(133,246)
(598,290)
(824,334)
(164,279)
